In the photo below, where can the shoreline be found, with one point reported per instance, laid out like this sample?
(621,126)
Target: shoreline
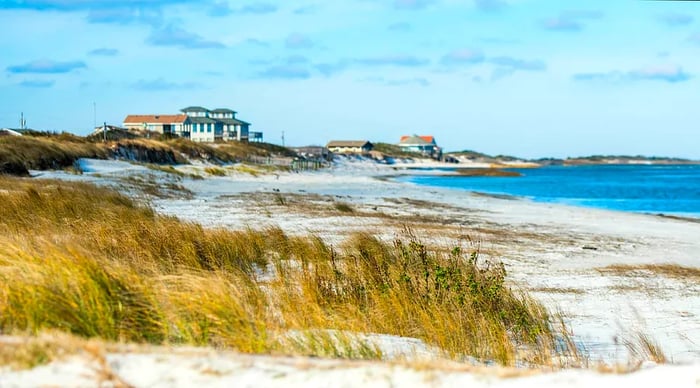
(488,173)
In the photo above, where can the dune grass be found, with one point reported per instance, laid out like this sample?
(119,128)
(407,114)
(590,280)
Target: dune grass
(91,262)
(343,207)
(48,150)
(642,348)
(21,153)
(215,171)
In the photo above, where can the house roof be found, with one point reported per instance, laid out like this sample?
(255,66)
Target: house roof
(415,139)
(194,109)
(222,110)
(348,143)
(155,119)
(232,121)
(202,120)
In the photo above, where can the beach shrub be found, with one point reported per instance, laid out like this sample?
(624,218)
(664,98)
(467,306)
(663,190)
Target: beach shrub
(343,207)
(452,301)
(215,171)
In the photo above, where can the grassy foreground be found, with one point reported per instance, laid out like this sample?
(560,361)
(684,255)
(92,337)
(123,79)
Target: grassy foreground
(91,262)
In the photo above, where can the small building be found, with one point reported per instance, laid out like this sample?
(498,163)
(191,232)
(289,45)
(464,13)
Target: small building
(425,145)
(164,124)
(9,132)
(350,146)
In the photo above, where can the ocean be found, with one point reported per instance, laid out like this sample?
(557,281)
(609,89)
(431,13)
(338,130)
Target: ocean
(656,189)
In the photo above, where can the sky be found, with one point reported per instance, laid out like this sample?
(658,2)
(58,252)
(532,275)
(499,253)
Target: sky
(531,78)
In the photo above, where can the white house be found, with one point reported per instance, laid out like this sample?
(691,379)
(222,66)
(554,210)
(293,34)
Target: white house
(218,124)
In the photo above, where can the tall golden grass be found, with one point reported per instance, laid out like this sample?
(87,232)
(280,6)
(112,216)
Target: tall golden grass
(19,153)
(91,262)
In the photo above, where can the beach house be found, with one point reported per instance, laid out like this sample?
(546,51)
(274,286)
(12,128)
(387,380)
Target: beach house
(425,145)
(350,146)
(218,124)
(197,124)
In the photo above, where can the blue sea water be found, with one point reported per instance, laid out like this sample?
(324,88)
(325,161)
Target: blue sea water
(666,189)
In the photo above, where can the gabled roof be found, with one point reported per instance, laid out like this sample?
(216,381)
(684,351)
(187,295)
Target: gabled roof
(232,121)
(417,140)
(222,110)
(348,143)
(194,109)
(155,119)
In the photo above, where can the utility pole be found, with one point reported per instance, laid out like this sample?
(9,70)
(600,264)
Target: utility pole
(282,138)
(104,132)
(22,121)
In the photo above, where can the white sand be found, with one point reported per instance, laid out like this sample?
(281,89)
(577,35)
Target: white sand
(208,368)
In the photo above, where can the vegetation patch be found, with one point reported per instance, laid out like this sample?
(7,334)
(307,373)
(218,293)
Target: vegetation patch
(216,171)
(673,271)
(643,348)
(151,186)
(243,150)
(18,154)
(91,262)
(47,150)
(247,169)
(343,207)
(394,150)
(559,290)
(165,169)
(487,172)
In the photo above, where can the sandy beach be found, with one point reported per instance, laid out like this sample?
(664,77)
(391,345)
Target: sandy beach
(564,256)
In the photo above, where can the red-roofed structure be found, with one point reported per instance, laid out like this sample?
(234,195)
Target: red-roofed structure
(421,144)
(155,119)
(156,123)
(429,139)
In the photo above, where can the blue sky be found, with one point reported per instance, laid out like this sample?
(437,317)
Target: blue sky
(531,78)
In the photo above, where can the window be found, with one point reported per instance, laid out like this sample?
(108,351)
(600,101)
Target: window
(209,127)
